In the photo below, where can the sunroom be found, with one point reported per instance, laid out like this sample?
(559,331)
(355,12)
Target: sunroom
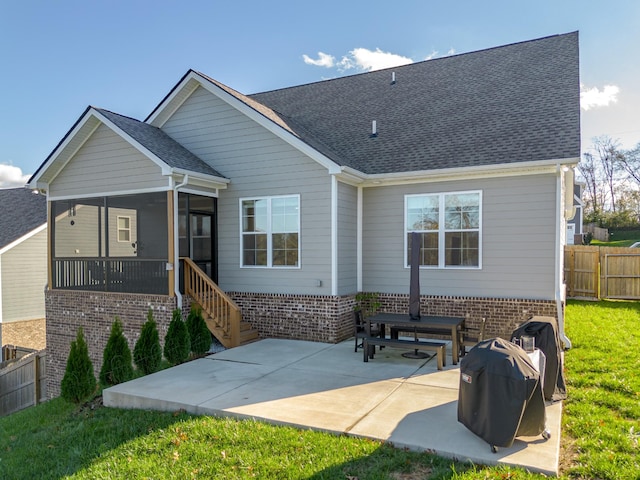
(125,243)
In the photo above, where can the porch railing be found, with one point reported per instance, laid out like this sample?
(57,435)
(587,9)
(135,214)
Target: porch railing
(222,315)
(114,274)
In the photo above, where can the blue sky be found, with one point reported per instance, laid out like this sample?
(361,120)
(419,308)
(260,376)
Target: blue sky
(57,57)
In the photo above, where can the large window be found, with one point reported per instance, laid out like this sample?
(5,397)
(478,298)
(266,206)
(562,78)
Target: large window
(449,225)
(270,235)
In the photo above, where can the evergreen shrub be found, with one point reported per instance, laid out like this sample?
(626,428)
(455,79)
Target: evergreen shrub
(116,363)
(199,333)
(79,382)
(177,344)
(147,353)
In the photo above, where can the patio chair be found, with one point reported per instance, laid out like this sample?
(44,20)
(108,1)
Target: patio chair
(360,330)
(471,336)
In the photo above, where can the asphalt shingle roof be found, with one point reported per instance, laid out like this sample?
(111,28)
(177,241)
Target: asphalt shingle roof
(21,211)
(515,103)
(160,144)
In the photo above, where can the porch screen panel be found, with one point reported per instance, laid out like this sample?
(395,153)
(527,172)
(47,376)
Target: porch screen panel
(116,244)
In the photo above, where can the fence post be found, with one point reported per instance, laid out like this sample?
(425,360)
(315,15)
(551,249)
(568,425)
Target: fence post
(36,378)
(572,272)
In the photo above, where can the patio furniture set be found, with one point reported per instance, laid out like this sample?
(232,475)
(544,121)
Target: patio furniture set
(372,331)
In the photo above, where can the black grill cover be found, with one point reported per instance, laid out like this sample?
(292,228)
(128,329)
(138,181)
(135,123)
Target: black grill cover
(545,332)
(500,396)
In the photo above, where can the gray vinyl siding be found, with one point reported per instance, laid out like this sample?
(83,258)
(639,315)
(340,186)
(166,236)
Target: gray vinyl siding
(259,164)
(24,277)
(347,239)
(518,232)
(107,163)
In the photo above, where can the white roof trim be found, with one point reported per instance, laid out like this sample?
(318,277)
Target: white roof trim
(23,238)
(218,182)
(112,193)
(53,158)
(354,177)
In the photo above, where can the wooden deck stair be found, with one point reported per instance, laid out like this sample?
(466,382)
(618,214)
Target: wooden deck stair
(248,334)
(221,314)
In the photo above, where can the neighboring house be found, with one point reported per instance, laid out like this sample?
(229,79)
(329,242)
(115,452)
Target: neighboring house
(294,200)
(575,231)
(23,267)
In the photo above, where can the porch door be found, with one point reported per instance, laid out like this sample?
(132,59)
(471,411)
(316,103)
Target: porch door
(197,232)
(201,241)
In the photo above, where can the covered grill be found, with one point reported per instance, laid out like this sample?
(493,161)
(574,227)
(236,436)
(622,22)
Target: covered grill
(545,332)
(500,395)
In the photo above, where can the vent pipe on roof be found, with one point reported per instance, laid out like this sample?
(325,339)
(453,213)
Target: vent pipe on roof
(393,78)
(374,129)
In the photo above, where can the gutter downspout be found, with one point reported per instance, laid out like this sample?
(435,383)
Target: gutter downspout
(176,239)
(560,288)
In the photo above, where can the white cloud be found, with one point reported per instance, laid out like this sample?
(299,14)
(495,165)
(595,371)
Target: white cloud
(324,60)
(593,97)
(432,55)
(369,60)
(11,176)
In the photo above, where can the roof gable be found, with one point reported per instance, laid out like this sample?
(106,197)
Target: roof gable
(261,114)
(160,144)
(21,211)
(152,142)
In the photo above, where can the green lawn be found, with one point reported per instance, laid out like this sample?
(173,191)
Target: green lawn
(600,429)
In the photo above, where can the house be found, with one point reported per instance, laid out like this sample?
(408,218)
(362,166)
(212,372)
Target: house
(23,268)
(273,210)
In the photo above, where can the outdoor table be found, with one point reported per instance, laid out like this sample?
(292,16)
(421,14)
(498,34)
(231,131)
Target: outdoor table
(436,322)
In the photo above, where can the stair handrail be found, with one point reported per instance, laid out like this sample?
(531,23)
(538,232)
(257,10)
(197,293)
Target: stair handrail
(219,307)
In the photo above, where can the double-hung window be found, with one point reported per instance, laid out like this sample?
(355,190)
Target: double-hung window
(270,235)
(124,229)
(449,225)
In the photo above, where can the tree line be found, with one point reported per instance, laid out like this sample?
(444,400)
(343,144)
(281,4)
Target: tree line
(611,175)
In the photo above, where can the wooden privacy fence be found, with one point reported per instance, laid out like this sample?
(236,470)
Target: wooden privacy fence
(23,382)
(602,272)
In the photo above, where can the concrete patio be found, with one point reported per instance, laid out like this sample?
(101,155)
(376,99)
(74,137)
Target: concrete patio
(405,402)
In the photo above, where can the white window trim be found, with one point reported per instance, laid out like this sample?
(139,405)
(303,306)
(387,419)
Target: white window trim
(441,231)
(269,234)
(118,229)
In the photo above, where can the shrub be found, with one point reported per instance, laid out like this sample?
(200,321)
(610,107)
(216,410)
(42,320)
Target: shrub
(79,382)
(116,363)
(177,344)
(147,353)
(199,333)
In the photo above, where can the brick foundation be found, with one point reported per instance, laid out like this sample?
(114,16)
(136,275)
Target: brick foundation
(26,333)
(502,315)
(95,312)
(302,317)
(329,319)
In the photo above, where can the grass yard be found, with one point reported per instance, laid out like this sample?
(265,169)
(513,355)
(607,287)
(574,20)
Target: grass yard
(601,430)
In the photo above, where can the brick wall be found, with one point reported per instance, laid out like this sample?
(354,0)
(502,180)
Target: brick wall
(26,333)
(502,315)
(316,318)
(330,319)
(303,317)
(95,312)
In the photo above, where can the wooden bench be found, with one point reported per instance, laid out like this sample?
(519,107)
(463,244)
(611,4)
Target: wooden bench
(424,330)
(437,347)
